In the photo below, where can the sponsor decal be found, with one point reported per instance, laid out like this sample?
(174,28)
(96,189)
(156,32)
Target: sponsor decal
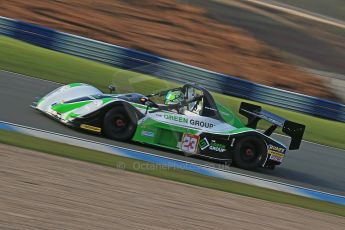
(273,153)
(204,143)
(276,149)
(214,146)
(173,117)
(147,133)
(91,128)
(190,143)
(185,120)
(276,158)
(276,153)
(202,124)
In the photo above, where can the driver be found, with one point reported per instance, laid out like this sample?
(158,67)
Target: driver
(175,98)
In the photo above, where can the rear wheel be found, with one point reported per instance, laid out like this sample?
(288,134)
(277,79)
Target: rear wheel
(120,123)
(250,152)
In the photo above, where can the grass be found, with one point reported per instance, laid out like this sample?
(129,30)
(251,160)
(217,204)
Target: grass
(77,153)
(30,60)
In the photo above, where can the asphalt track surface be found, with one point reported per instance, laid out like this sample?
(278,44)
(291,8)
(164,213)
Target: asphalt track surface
(312,166)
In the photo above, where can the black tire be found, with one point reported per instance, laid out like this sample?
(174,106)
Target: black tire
(120,123)
(249,153)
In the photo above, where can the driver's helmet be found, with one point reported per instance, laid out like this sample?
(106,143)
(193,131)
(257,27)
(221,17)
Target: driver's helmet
(174,97)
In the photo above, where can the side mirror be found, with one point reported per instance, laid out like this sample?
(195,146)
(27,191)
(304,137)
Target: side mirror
(111,88)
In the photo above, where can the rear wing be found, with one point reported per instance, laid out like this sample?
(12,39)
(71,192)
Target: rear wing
(254,113)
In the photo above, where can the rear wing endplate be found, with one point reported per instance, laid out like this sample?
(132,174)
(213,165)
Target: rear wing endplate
(255,113)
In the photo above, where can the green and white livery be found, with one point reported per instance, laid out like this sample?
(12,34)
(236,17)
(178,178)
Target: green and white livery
(185,119)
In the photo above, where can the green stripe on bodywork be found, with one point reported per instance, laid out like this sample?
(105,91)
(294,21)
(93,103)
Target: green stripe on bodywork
(241,130)
(75,84)
(164,135)
(141,106)
(107,100)
(152,123)
(72,115)
(229,117)
(63,108)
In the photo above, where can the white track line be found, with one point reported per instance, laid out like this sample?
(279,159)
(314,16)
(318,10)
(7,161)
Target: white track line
(32,77)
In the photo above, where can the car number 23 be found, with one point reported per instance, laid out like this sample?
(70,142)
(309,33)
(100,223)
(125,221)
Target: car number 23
(190,143)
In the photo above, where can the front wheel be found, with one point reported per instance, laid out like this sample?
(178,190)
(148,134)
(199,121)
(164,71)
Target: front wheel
(249,153)
(120,123)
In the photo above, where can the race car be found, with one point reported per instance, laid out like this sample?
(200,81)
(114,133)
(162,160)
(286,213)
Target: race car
(185,119)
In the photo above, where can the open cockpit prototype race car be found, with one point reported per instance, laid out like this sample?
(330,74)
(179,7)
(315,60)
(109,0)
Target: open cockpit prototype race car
(185,119)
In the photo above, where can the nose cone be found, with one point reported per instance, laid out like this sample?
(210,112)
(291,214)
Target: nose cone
(66,93)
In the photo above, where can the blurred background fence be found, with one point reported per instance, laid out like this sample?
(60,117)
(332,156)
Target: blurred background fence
(168,69)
